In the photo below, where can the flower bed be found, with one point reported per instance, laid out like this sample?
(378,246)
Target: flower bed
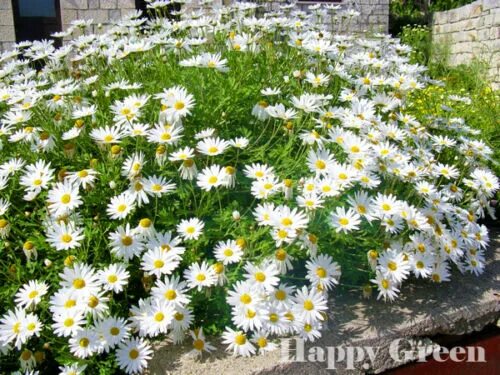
(220,174)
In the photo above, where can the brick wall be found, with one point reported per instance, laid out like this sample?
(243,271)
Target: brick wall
(471,31)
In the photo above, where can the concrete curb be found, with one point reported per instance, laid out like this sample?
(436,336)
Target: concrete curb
(464,305)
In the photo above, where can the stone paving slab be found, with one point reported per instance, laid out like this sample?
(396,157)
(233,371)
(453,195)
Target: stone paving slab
(464,305)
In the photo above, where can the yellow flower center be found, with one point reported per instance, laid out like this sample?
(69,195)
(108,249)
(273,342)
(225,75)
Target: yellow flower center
(26,355)
(218,268)
(65,198)
(112,279)
(240,339)
(280,295)
(308,305)
(321,272)
(133,354)
(127,240)
(262,342)
(212,180)
(93,302)
(69,322)
(66,238)
(84,342)
(33,294)
(280,254)
(28,245)
(170,294)
(282,233)
(121,208)
(178,316)
(78,283)
(245,299)
(159,316)
(158,263)
(179,105)
(145,223)
(228,252)
(344,221)
(392,265)
(201,277)
(198,344)
(114,331)
(320,164)
(260,277)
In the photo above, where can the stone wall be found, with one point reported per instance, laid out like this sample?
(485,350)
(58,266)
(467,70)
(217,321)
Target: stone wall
(7,33)
(374,14)
(101,11)
(471,31)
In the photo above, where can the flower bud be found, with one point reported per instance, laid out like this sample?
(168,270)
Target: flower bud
(367,291)
(236,215)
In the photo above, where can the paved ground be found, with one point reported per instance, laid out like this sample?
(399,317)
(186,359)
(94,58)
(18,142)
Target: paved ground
(465,304)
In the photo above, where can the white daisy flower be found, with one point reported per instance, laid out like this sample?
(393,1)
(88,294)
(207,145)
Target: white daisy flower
(200,276)
(133,355)
(190,229)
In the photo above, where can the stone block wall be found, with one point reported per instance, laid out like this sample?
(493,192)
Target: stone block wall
(101,11)
(7,33)
(374,14)
(471,31)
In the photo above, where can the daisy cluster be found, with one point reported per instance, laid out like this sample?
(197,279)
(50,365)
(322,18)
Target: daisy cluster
(125,213)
